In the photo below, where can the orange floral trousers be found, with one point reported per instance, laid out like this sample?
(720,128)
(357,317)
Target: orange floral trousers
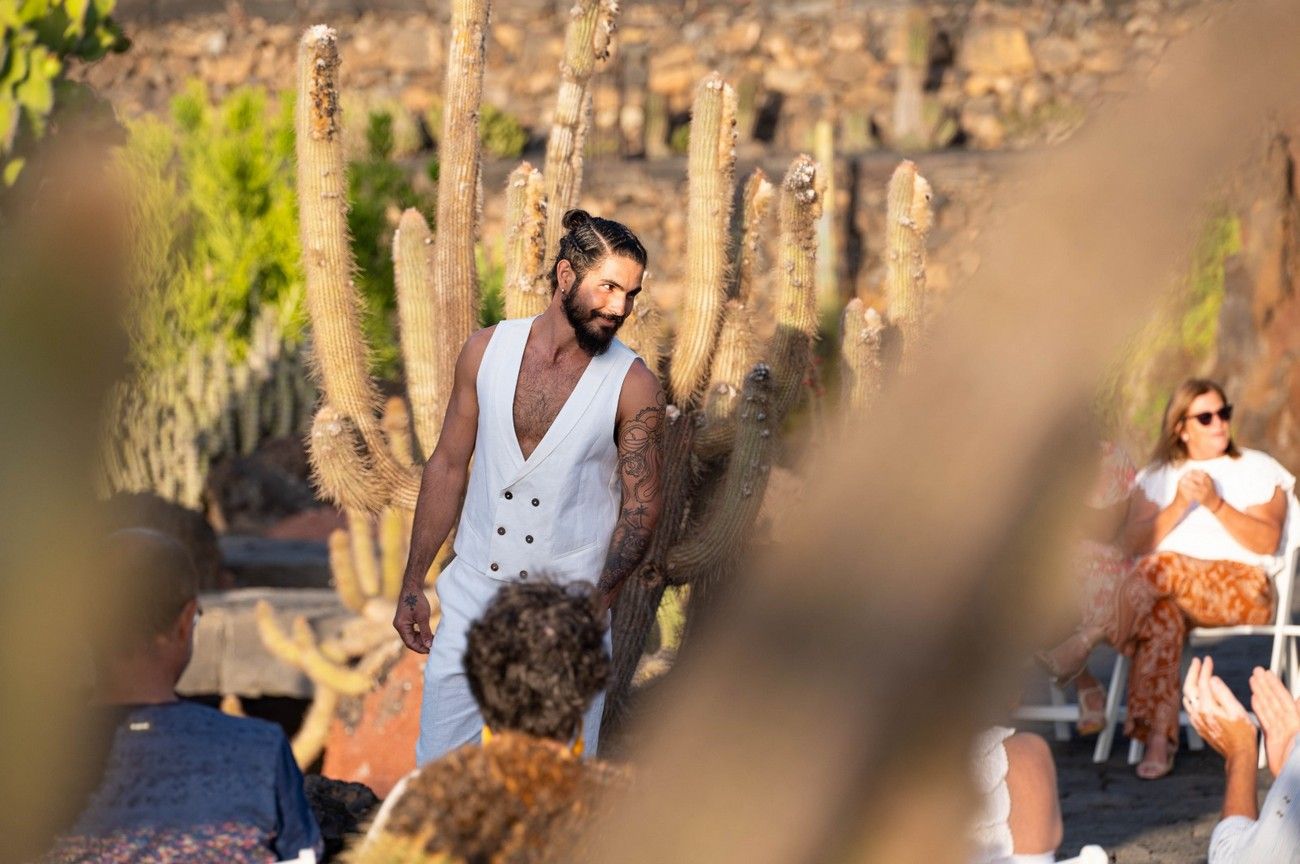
(1164,595)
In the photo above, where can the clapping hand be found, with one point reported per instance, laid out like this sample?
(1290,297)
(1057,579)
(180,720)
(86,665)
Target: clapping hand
(1278,716)
(1216,714)
(1199,487)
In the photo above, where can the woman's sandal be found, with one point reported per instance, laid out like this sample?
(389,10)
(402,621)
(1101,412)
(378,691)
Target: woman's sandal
(1154,770)
(1092,709)
(1065,670)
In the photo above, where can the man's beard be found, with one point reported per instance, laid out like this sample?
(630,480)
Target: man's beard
(592,338)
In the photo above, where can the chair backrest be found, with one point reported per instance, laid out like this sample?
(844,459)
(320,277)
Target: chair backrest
(1284,575)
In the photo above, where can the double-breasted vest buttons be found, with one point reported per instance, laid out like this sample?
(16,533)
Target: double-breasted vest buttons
(570,480)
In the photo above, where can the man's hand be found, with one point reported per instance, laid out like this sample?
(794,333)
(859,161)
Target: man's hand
(412,621)
(1216,714)
(1278,716)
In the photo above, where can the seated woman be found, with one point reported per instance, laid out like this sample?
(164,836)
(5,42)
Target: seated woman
(1207,517)
(181,781)
(534,662)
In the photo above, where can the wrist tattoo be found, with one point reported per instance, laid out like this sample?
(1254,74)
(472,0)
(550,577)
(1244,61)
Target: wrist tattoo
(409,600)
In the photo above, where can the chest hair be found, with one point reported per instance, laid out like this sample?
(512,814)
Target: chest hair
(543,388)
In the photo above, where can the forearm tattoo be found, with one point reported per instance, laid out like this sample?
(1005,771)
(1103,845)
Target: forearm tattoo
(640,459)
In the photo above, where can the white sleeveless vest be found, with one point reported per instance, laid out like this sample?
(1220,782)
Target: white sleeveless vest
(552,515)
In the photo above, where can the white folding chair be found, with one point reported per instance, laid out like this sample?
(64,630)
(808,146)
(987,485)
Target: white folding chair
(1282,661)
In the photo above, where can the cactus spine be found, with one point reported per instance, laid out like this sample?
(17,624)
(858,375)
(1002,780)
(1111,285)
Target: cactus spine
(526,286)
(418,316)
(712,160)
(586,40)
(907,224)
(455,276)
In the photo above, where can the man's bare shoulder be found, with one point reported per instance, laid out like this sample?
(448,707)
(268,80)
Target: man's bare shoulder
(641,389)
(471,353)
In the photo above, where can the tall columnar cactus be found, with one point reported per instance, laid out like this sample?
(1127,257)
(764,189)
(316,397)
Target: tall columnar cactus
(757,203)
(737,347)
(350,456)
(907,224)
(587,39)
(715,465)
(861,358)
(796,281)
(526,288)
(828,285)
(418,315)
(455,277)
(911,131)
(711,167)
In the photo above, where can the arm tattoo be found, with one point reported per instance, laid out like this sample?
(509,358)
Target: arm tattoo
(409,600)
(640,459)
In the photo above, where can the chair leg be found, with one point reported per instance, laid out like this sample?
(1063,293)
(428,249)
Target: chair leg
(1292,666)
(1118,678)
(1060,727)
(1136,749)
(1194,739)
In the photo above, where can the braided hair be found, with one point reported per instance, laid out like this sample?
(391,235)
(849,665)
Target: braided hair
(588,240)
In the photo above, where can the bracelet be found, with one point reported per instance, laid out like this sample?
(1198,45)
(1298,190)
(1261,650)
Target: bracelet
(1216,510)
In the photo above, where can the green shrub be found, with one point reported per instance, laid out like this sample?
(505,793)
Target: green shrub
(1177,342)
(37,37)
(680,140)
(501,133)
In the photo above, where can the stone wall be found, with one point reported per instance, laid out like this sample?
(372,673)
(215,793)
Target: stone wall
(996,74)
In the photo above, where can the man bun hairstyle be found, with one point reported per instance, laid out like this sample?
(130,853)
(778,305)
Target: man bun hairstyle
(536,658)
(588,240)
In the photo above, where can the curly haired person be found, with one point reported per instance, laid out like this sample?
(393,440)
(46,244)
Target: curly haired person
(534,661)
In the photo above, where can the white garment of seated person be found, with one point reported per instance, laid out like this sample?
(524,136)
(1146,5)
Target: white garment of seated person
(991,830)
(1247,481)
(1273,837)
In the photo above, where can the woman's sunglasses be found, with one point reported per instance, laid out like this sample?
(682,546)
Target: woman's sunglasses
(1205,418)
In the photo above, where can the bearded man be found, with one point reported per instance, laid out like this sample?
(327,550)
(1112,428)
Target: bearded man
(566,427)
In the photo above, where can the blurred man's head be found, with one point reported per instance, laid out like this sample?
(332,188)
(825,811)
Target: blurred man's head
(157,586)
(536,658)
